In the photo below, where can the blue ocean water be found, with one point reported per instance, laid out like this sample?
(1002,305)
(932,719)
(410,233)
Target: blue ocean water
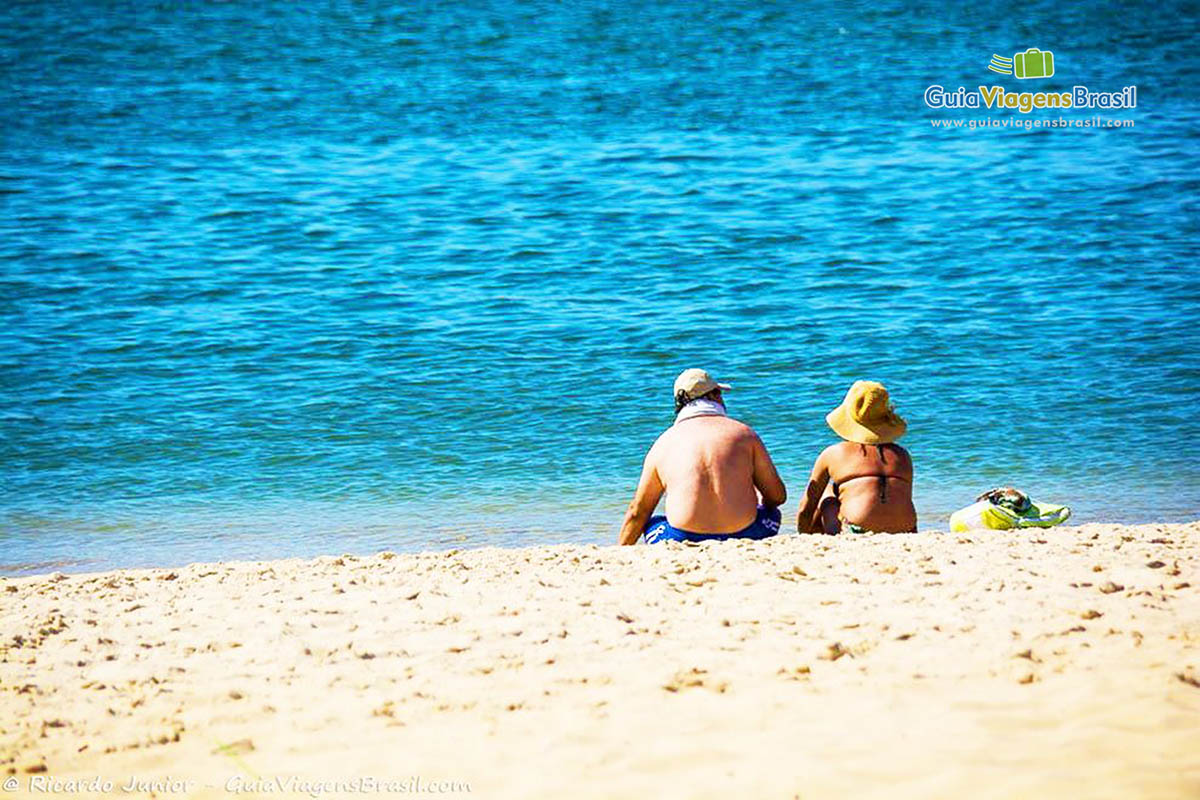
(292,278)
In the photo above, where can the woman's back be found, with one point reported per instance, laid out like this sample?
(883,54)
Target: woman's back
(865,481)
(873,483)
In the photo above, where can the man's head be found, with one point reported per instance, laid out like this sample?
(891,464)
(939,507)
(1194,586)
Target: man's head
(693,384)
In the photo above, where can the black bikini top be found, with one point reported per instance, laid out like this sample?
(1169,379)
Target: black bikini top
(883,479)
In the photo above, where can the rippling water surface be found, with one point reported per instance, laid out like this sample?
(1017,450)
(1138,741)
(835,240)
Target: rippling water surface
(282,279)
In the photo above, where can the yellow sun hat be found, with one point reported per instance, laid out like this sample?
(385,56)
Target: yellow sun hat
(866,415)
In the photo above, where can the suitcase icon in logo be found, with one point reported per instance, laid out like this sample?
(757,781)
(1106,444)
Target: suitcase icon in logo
(1033,63)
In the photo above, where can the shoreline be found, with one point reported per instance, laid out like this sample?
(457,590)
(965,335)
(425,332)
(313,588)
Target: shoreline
(1000,664)
(247,534)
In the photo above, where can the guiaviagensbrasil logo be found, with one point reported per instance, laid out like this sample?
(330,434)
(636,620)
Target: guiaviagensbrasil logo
(1025,65)
(1033,63)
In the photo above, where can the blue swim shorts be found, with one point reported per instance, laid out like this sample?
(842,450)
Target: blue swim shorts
(765,525)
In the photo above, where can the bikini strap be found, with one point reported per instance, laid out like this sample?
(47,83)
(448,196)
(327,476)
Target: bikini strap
(882,476)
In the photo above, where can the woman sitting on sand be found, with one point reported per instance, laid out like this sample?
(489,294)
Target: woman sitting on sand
(864,483)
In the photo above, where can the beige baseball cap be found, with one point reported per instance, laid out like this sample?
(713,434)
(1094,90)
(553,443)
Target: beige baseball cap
(696,382)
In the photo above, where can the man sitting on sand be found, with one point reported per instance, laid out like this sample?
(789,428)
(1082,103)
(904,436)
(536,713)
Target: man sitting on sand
(864,483)
(714,470)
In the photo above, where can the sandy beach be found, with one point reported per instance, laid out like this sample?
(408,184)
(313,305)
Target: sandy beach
(1055,663)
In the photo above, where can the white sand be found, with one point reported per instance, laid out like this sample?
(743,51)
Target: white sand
(935,665)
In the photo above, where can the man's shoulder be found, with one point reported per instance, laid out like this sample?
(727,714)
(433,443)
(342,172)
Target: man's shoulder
(704,427)
(665,440)
(742,427)
(734,432)
(727,425)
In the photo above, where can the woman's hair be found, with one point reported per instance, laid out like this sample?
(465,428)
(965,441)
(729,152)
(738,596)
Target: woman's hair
(682,399)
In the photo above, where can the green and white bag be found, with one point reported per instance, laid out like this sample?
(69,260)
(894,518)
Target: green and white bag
(1006,508)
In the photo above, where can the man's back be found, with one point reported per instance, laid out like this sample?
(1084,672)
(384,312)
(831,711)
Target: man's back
(707,465)
(712,470)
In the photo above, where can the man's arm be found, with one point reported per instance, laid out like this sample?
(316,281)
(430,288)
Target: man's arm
(766,477)
(806,519)
(649,492)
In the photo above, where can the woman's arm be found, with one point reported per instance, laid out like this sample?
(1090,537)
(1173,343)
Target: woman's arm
(808,519)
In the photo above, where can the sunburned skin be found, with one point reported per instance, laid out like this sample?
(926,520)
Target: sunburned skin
(866,485)
(713,470)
